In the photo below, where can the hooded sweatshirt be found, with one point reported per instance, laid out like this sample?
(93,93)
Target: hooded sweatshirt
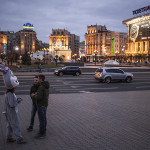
(43,94)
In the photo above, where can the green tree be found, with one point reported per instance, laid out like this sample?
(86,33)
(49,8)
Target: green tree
(26,60)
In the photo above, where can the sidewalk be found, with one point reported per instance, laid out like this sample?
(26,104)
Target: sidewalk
(93,121)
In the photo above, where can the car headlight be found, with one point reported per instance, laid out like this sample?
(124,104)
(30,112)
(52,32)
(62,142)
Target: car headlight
(56,70)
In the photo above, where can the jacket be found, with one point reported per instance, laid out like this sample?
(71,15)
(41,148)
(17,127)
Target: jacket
(43,94)
(34,89)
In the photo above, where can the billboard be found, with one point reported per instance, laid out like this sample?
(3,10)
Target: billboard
(139,31)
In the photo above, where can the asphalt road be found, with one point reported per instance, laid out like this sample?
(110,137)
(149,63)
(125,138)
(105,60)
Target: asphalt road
(82,84)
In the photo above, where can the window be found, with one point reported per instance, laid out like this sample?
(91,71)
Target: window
(118,71)
(99,70)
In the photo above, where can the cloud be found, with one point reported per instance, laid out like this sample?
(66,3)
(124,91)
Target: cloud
(74,15)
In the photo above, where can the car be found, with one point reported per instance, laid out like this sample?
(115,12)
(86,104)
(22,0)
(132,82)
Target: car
(70,70)
(108,74)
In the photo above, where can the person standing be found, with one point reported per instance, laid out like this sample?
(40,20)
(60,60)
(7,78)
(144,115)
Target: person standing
(10,106)
(10,111)
(33,90)
(40,68)
(42,103)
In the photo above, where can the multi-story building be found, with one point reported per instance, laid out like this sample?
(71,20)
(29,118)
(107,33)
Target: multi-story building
(3,43)
(26,39)
(74,45)
(64,44)
(138,36)
(11,41)
(102,42)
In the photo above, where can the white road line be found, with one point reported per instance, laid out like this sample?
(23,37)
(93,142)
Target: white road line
(86,92)
(16,91)
(67,89)
(102,88)
(140,87)
(72,84)
(138,82)
(19,86)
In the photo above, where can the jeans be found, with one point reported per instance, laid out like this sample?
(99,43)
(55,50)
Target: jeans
(33,112)
(42,119)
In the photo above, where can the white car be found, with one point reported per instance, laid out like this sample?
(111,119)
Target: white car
(111,62)
(108,74)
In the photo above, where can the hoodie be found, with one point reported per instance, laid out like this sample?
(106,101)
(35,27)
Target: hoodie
(43,94)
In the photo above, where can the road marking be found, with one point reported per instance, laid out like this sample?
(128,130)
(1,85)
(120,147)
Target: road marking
(67,89)
(138,82)
(16,91)
(140,87)
(75,86)
(86,92)
(103,88)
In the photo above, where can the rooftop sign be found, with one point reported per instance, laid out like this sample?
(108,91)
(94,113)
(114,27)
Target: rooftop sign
(28,26)
(138,11)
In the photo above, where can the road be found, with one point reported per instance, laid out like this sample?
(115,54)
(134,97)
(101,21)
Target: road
(82,84)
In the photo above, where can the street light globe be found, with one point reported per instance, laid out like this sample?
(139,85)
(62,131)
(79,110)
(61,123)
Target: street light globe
(17,48)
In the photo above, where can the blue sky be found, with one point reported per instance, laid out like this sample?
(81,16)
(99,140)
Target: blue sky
(73,15)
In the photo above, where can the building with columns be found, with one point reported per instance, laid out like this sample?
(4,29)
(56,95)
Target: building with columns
(100,43)
(138,37)
(63,44)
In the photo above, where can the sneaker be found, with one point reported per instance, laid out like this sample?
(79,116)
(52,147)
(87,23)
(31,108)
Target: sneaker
(40,136)
(21,141)
(10,140)
(30,128)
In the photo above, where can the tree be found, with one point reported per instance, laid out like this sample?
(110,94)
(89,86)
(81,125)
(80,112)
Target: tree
(26,60)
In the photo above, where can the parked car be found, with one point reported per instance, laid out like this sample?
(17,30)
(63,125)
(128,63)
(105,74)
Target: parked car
(76,71)
(108,74)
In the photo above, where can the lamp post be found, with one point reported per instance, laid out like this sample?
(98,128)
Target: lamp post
(47,50)
(95,55)
(56,56)
(44,54)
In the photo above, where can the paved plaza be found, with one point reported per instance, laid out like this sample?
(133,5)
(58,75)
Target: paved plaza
(87,121)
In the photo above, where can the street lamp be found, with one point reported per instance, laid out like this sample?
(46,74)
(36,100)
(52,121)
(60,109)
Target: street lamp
(95,55)
(17,48)
(47,53)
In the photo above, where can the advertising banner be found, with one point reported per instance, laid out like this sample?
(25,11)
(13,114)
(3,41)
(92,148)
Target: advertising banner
(139,31)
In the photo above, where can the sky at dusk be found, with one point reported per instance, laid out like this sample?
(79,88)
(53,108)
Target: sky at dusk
(73,15)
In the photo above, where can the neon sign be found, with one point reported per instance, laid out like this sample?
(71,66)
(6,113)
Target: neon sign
(135,12)
(28,26)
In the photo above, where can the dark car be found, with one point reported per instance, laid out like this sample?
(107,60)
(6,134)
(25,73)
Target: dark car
(76,71)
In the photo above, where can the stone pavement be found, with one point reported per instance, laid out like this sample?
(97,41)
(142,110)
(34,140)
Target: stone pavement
(87,121)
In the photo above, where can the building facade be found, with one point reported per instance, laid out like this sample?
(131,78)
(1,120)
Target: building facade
(3,43)
(11,41)
(26,39)
(63,44)
(138,37)
(102,42)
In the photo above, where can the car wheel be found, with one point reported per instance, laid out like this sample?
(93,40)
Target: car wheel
(128,79)
(77,73)
(107,79)
(61,74)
